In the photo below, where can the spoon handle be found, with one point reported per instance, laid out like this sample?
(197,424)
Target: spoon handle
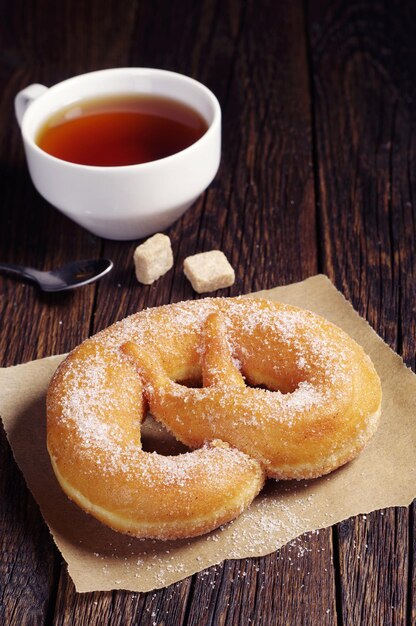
(19,270)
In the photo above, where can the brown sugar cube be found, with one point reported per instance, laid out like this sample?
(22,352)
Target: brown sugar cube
(208,271)
(153,258)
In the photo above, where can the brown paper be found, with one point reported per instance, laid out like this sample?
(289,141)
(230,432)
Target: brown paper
(100,559)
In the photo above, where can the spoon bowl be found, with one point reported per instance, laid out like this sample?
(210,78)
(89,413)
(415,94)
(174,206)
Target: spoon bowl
(69,276)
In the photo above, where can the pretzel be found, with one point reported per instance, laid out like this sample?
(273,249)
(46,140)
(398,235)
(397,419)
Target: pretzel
(254,387)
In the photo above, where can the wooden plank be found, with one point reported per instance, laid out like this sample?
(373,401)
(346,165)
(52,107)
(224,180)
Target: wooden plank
(260,210)
(33,325)
(41,42)
(362,58)
(373,563)
(119,608)
(284,588)
(28,559)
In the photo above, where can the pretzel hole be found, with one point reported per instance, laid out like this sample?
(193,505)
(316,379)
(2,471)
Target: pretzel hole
(257,380)
(191,382)
(283,385)
(156,438)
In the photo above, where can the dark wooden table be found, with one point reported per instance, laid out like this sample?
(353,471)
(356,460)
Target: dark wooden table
(318,174)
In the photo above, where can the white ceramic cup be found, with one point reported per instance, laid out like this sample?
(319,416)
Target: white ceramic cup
(122,202)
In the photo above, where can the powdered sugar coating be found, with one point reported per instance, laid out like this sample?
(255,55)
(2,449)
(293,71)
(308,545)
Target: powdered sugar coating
(89,390)
(283,390)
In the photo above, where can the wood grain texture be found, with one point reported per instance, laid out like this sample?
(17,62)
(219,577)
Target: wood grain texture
(270,590)
(317,174)
(252,211)
(362,55)
(41,42)
(120,608)
(373,563)
(28,570)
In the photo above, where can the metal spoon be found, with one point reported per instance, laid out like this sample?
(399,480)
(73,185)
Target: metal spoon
(69,276)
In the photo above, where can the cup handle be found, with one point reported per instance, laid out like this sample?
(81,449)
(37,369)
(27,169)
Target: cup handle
(25,98)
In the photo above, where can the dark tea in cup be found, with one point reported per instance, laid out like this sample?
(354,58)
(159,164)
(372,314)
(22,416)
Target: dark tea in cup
(133,147)
(120,130)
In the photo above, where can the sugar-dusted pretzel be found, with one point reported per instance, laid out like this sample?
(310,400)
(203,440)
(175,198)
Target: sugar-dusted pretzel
(253,386)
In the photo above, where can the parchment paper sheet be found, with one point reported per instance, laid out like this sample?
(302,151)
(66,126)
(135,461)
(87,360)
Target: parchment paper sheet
(100,559)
